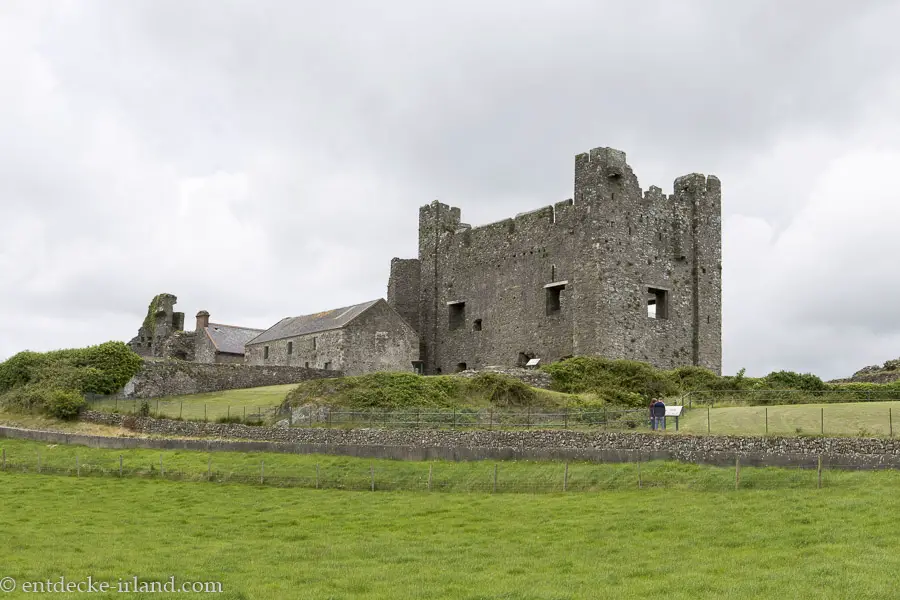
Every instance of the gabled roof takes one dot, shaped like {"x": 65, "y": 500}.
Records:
{"x": 230, "y": 339}
{"x": 337, "y": 318}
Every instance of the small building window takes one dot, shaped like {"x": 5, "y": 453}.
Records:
{"x": 314, "y": 343}
{"x": 553, "y": 302}
{"x": 290, "y": 348}
{"x": 476, "y": 326}
{"x": 328, "y": 366}
{"x": 265, "y": 353}
{"x": 306, "y": 364}
{"x": 457, "y": 315}
{"x": 657, "y": 303}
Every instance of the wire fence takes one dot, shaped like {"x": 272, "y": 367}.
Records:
{"x": 474, "y": 477}
{"x": 186, "y": 411}
{"x": 486, "y": 418}
{"x": 764, "y": 397}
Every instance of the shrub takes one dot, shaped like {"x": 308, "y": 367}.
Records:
{"x": 20, "y": 369}
{"x": 64, "y": 404}
{"x": 588, "y": 373}
{"x": 502, "y": 390}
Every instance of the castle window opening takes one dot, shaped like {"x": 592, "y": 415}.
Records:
{"x": 265, "y": 352}
{"x": 328, "y": 365}
{"x": 476, "y": 326}
{"x": 290, "y": 348}
{"x": 552, "y": 292}
{"x": 460, "y": 367}
{"x": 457, "y": 318}
{"x": 657, "y": 303}
{"x": 314, "y": 343}
{"x": 306, "y": 364}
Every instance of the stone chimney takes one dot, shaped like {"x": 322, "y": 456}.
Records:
{"x": 202, "y": 319}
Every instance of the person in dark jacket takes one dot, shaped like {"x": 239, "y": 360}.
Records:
{"x": 659, "y": 412}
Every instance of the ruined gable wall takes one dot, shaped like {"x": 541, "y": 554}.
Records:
{"x": 379, "y": 340}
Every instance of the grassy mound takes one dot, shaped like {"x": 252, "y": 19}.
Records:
{"x": 55, "y": 382}
{"x": 408, "y": 390}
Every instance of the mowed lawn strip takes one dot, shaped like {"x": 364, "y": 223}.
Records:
{"x": 852, "y": 418}
{"x": 293, "y": 543}
{"x": 212, "y": 405}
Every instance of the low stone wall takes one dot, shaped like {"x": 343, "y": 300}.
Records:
{"x": 532, "y": 377}
{"x": 158, "y": 378}
{"x": 427, "y": 444}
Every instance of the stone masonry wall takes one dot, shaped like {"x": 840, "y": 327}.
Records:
{"x": 431, "y": 444}
{"x": 603, "y": 251}
{"x": 158, "y": 378}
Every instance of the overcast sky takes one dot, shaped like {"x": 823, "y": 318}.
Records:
{"x": 261, "y": 159}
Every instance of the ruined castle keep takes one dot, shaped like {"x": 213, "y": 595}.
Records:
{"x": 614, "y": 271}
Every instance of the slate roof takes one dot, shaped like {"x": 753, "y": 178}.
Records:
{"x": 337, "y": 318}
{"x": 230, "y": 339}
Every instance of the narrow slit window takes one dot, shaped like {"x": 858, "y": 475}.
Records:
{"x": 265, "y": 352}
{"x": 290, "y": 348}
{"x": 657, "y": 303}
{"x": 476, "y": 326}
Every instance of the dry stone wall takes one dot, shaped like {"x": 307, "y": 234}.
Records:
{"x": 158, "y": 378}
{"x": 430, "y": 444}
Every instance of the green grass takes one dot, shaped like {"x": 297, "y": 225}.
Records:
{"x": 855, "y": 418}
{"x": 288, "y": 543}
{"x": 213, "y": 405}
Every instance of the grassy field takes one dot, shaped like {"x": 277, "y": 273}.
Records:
{"x": 855, "y": 418}
{"x": 212, "y": 406}
{"x": 357, "y": 474}
{"x": 287, "y": 543}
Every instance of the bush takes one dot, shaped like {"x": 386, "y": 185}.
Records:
{"x": 64, "y": 404}
{"x": 502, "y": 390}
{"x": 589, "y": 373}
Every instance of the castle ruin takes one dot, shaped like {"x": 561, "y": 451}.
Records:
{"x": 614, "y": 271}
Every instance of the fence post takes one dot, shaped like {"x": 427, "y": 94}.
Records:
{"x": 39, "y": 461}
{"x": 640, "y": 479}
{"x": 890, "y": 423}
{"x": 181, "y": 409}
{"x": 204, "y": 412}
{"x": 767, "y": 420}
{"x": 157, "y": 407}
{"x": 430, "y": 469}
{"x": 823, "y": 420}
{"x": 317, "y": 475}
{"x": 77, "y": 466}
{"x": 737, "y": 472}
{"x": 707, "y": 420}
{"x": 567, "y": 417}
{"x": 454, "y": 418}
{"x": 120, "y": 465}
{"x": 819, "y": 485}
{"x": 418, "y": 416}
{"x": 491, "y": 418}
{"x": 372, "y": 475}
{"x": 495, "y": 477}
{"x": 566, "y": 478}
